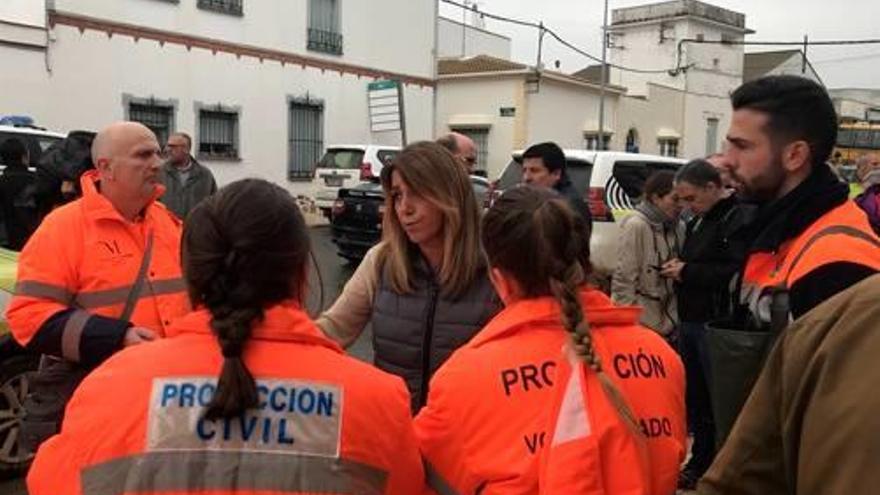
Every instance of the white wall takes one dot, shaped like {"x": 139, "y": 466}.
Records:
{"x": 476, "y": 41}
{"x": 29, "y": 12}
{"x": 282, "y": 24}
{"x": 662, "y": 109}
{"x": 714, "y": 68}
{"x": 81, "y": 81}
{"x": 479, "y": 99}
{"x": 699, "y": 110}
{"x": 560, "y": 112}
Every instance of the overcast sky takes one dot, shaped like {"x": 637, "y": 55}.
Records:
{"x": 580, "y": 22}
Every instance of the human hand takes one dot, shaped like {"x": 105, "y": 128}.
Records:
{"x": 137, "y": 335}
{"x": 672, "y": 269}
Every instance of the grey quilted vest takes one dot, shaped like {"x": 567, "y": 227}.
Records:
{"x": 413, "y": 334}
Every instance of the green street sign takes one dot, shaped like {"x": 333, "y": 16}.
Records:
{"x": 379, "y": 85}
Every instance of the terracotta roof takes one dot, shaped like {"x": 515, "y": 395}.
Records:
{"x": 758, "y": 64}
{"x": 593, "y": 74}
{"x": 472, "y": 65}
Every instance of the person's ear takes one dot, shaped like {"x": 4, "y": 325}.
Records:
{"x": 105, "y": 168}
{"x": 506, "y": 287}
{"x": 796, "y": 156}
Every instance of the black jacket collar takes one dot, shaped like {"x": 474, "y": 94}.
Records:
{"x": 785, "y": 218}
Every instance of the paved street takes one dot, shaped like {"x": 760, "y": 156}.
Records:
{"x": 334, "y": 273}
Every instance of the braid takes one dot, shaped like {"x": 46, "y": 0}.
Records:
{"x": 236, "y": 389}
{"x": 565, "y": 290}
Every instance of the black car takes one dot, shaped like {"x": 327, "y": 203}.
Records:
{"x": 356, "y": 218}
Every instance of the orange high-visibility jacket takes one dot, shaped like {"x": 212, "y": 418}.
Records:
{"x": 325, "y": 423}
{"x": 78, "y": 268}
{"x": 843, "y": 234}
{"x": 490, "y": 409}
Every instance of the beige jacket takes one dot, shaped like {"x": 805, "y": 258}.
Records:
{"x": 346, "y": 318}
{"x": 811, "y": 424}
{"x": 644, "y": 245}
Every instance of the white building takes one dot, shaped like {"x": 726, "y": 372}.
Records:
{"x": 462, "y": 39}
{"x": 505, "y": 105}
{"x": 263, "y": 86}
{"x": 778, "y": 63}
{"x": 856, "y": 104}
{"x": 681, "y": 44}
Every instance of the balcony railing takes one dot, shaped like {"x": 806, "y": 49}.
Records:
{"x": 325, "y": 41}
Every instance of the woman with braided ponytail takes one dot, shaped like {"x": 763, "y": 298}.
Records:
{"x": 289, "y": 412}
{"x": 562, "y": 392}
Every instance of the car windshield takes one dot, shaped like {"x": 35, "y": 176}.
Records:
{"x": 340, "y": 158}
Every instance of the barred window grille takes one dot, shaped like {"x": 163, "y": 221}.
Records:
{"x": 225, "y": 6}
{"x": 323, "y": 32}
{"x": 218, "y": 134}
{"x": 480, "y": 138}
{"x": 305, "y": 139}
{"x": 157, "y": 117}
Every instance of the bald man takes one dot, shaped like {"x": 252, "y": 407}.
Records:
{"x": 100, "y": 273}
{"x": 462, "y": 147}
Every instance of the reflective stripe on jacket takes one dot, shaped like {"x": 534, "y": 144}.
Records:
{"x": 326, "y": 423}
{"x": 843, "y": 234}
{"x": 86, "y": 256}
{"x": 489, "y": 410}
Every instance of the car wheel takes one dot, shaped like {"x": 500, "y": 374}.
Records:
{"x": 15, "y": 378}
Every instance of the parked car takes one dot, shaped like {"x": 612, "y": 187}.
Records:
{"x": 16, "y": 368}
{"x": 344, "y": 166}
{"x": 356, "y": 220}
{"x": 611, "y": 184}
{"x": 36, "y": 139}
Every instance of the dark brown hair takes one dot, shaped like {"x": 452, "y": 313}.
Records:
{"x": 244, "y": 249}
{"x": 532, "y": 235}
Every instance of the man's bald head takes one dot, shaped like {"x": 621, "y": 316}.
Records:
{"x": 114, "y": 138}
{"x": 462, "y": 147}
{"x": 126, "y": 156}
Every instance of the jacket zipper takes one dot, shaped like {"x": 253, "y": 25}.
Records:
{"x": 426, "y": 343}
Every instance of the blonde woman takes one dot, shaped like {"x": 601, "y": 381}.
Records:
{"x": 424, "y": 288}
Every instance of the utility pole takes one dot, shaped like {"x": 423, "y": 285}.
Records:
{"x": 604, "y": 77}
{"x": 804, "y": 58}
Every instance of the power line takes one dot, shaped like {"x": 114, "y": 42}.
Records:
{"x": 545, "y": 29}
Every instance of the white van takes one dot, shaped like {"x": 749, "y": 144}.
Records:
{"x": 611, "y": 184}
{"x": 345, "y": 165}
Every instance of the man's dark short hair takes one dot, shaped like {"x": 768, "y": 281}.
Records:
{"x": 551, "y": 154}
{"x": 449, "y": 142}
{"x": 12, "y": 152}
{"x": 698, "y": 172}
{"x": 797, "y": 109}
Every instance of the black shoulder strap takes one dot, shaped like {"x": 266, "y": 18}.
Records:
{"x": 135, "y": 293}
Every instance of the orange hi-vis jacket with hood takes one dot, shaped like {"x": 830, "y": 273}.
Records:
{"x": 325, "y": 423}
{"x": 490, "y": 411}
{"x": 78, "y": 269}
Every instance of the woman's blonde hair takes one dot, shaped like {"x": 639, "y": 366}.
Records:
{"x": 431, "y": 172}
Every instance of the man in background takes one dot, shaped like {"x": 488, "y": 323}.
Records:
{"x": 186, "y": 181}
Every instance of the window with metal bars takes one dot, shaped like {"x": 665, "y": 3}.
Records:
{"x": 480, "y": 137}
{"x": 218, "y": 134}
{"x": 305, "y": 139}
{"x": 323, "y": 32}
{"x": 225, "y": 6}
{"x": 159, "y": 118}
